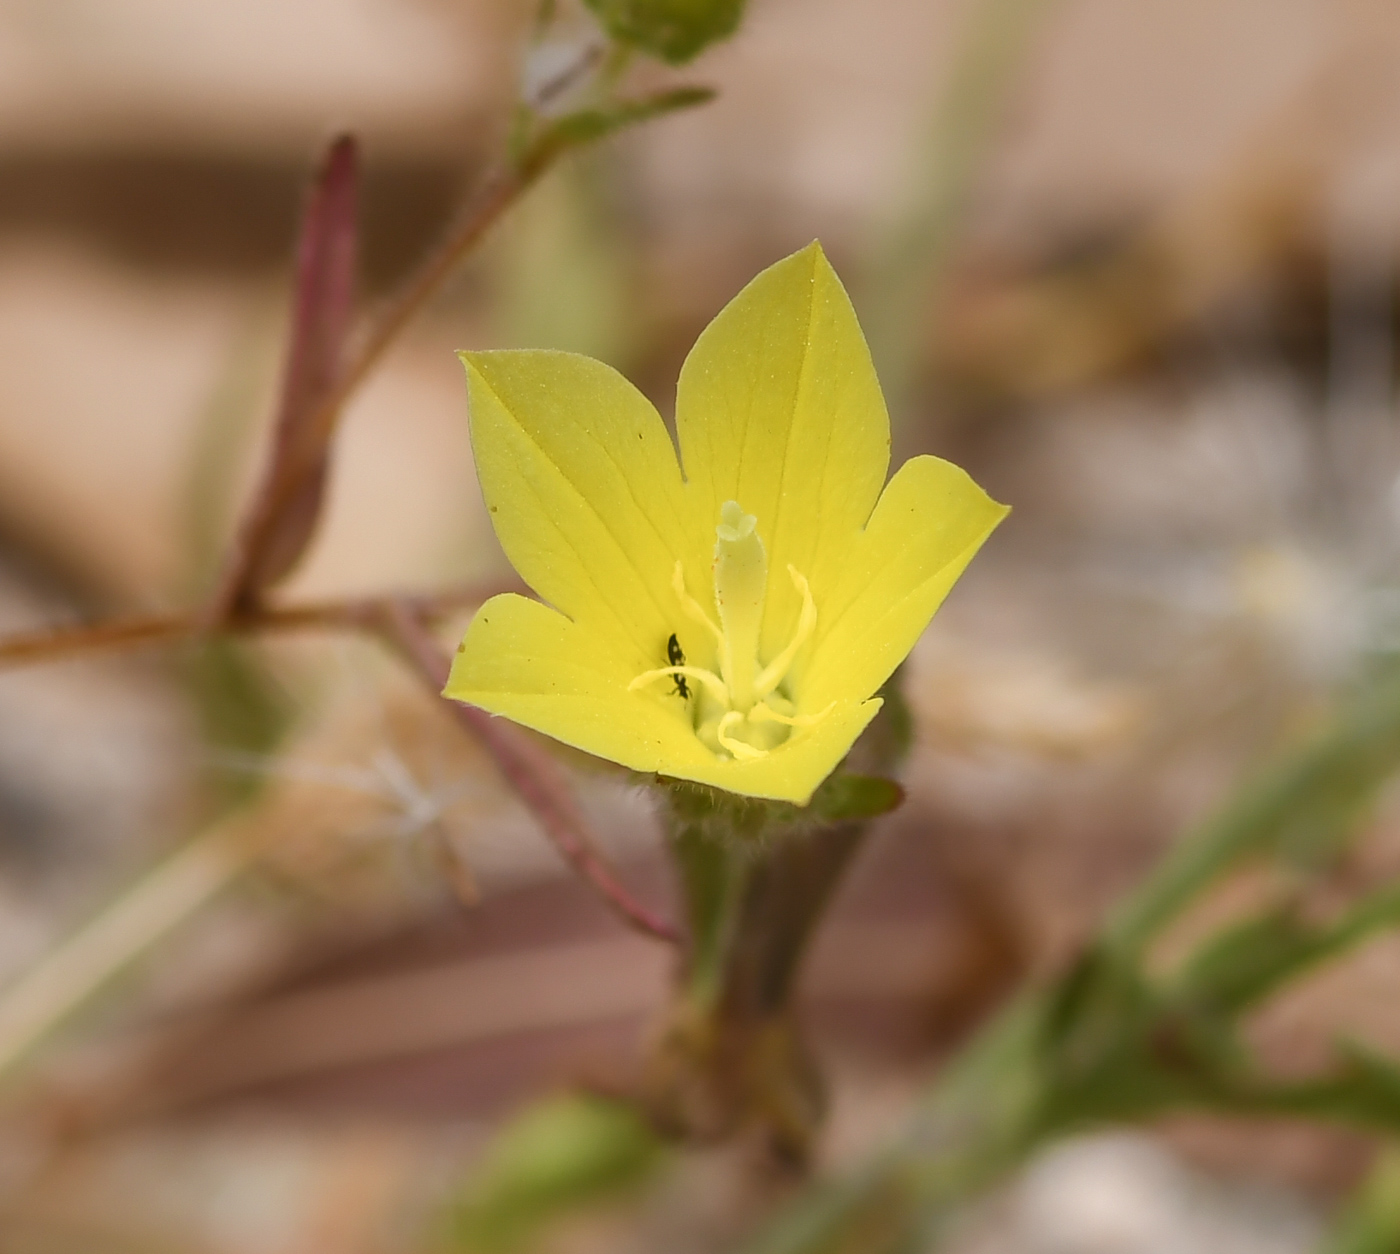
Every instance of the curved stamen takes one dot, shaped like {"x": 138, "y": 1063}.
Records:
{"x": 739, "y": 685}
{"x": 698, "y": 673}
{"x": 743, "y": 752}
{"x": 766, "y": 714}
{"x": 693, "y": 609}
{"x": 772, "y": 674}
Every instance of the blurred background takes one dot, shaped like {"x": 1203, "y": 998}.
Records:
{"x": 1134, "y": 266}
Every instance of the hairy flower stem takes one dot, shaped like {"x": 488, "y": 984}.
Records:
{"x": 756, "y": 878}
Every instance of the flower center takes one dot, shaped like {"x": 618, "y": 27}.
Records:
{"x": 740, "y": 712}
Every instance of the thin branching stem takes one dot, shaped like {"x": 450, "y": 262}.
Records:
{"x": 177, "y": 888}
{"x": 499, "y": 191}
{"x": 56, "y": 644}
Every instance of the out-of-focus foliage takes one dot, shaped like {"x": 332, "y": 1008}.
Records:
{"x": 1123, "y": 259}
{"x": 1117, "y": 1039}
{"x": 674, "y": 30}
{"x": 564, "y": 1154}
{"x": 563, "y": 275}
{"x": 1371, "y": 1225}
{"x": 240, "y": 707}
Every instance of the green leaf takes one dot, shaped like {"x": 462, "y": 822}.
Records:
{"x": 1249, "y": 960}
{"x": 562, "y": 1154}
{"x": 586, "y": 126}
{"x": 1302, "y": 812}
{"x": 674, "y": 30}
{"x": 1245, "y": 961}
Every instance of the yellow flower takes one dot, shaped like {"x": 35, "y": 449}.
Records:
{"x": 729, "y": 624}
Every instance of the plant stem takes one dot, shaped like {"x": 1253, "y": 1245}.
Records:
{"x": 713, "y": 878}
{"x": 499, "y": 191}
{"x": 531, "y": 771}
{"x": 982, "y": 1120}
{"x": 756, "y": 878}
{"x": 61, "y": 981}
{"x": 54, "y": 644}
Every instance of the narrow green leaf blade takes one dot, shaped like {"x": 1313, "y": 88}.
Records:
{"x": 585, "y": 126}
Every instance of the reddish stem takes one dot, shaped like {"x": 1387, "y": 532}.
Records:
{"x": 52, "y": 644}
{"x": 531, "y": 771}
{"x": 315, "y": 428}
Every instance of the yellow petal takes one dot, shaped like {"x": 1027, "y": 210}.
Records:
{"x": 930, "y": 521}
{"x": 584, "y": 490}
{"x": 778, "y": 408}
{"x": 524, "y": 660}
{"x": 529, "y": 663}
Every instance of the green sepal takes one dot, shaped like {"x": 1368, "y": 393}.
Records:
{"x": 728, "y": 817}
{"x": 854, "y": 798}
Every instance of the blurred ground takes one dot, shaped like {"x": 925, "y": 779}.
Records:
{"x": 1163, "y": 329}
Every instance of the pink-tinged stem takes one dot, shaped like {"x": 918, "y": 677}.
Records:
{"x": 531, "y": 771}
{"x": 281, "y": 517}
{"x": 56, "y": 644}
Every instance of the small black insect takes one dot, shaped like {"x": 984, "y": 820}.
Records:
{"x": 676, "y": 656}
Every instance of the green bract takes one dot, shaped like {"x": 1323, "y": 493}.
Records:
{"x": 674, "y": 30}
{"x": 729, "y": 625}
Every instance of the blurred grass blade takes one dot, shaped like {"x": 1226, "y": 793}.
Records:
{"x": 912, "y": 262}
{"x": 1249, "y": 960}
{"x": 1371, "y": 1223}
{"x": 64, "y": 979}
{"x": 1302, "y": 810}
{"x": 283, "y": 514}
